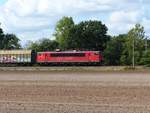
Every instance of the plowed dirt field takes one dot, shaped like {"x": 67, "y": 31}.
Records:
{"x": 74, "y": 92}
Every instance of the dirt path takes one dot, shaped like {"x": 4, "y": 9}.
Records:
{"x": 77, "y": 92}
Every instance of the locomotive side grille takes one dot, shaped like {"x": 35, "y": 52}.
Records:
{"x": 68, "y": 55}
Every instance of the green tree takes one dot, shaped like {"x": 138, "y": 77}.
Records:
{"x": 146, "y": 58}
{"x": 134, "y": 46}
{"x": 113, "y": 52}
{"x": 88, "y": 35}
{"x": 48, "y": 45}
{"x": 148, "y": 42}
{"x": 32, "y": 45}
{"x": 62, "y": 31}
{"x": 1, "y": 38}
{"x": 43, "y": 45}
{"x": 11, "y": 42}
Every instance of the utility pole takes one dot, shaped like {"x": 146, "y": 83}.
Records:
{"x": 146, "y": 45}
{"x": 133, "y": 57}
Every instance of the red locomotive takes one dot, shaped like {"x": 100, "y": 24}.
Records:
{"x": 69, "y": 57}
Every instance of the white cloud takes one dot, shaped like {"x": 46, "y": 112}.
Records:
{"x": 29, "y": 18}
{"x": 126, "y": 17}
{"x": 122, "y": 21}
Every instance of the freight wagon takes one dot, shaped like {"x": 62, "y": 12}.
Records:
{"x": 17, "y": 56}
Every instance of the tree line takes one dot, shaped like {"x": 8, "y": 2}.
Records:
{"x": 123, "y": 49}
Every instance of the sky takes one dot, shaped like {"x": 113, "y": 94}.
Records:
{"x": 2, "y": 1}
{"x": 35, "y": 19}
